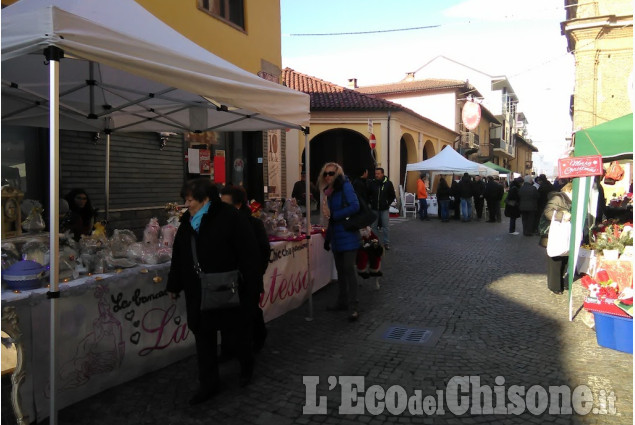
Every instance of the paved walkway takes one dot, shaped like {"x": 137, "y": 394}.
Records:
{"x": 479, "y": 291}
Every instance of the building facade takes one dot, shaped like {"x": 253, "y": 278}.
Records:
{"x": 600, "y": 36}
{"x": 342, "y": 121}
{"x": 442, "y": 100}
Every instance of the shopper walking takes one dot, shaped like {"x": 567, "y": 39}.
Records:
{"x": 224, "y": 241}
{"x": 512, "y": 205}
{"x": 443, "y": 197}
{"x": 465, "y": 193}
{"x": 478, "y": 193}
{"x": 528, "y": 205}
{"x": 560, "y": 203}
{"x": 382, "y": 194}
{"x": 341, "y": 202}
{"x": 422, "y": 197}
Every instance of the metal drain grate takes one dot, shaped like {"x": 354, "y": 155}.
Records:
{"x": 405, "y": 334}
{"x": 413, "y": 335}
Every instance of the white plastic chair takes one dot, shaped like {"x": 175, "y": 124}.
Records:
{"x": 410, "y": 204}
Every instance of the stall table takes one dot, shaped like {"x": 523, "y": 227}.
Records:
{"x": 117, "y": 326}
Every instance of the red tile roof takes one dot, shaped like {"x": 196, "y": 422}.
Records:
{"x": 327, "y": 96}
{"x": 416, "y": 86}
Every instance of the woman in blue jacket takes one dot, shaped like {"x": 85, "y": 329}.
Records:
{"x": 341, "y": 202}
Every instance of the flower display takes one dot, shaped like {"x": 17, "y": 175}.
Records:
{"x": 611, "y": 235}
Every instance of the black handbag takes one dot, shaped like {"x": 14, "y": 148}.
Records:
{"x": 218, "y": 290}
{"x": 362, "y": 218}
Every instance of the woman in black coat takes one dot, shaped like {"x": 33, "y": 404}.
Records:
{"x": 224, "y": 241}
{"x": 512, "y": 204}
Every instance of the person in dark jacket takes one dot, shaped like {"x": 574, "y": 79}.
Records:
{"x": 299, "y": 193}
{"x": 512, "y": 204}
{"x": 456, "y": 203}
{"x": 494, "y": 192}
{"x": 443, "y": 197}
{"x": 341, "y": 203}
{"x": 528, "y": 205}
{"x": 478, "y": 193}
{"x": 544, "y": 188}
{"x": 224, "y": 242}
{"x": 560, "y": 204}
{"x": 81, "y": 218}
{"x": 237, "y": 196}
{"x": 360, "y": 184}
{"x": 465, "y": 193}
{"x": 382, "y": 194}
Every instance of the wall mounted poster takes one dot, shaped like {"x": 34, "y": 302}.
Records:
{"x": 274, "y": 164}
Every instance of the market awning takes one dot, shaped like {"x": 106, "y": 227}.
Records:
{"x": 612, "y": 139}
{"x": 125, "y": 70}
{"x": 497, "y": 167}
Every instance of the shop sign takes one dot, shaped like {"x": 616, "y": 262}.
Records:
{"x": 471, "y": 115}
{"x": 581, "y": 166}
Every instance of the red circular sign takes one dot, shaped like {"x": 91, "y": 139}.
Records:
{"x": 471, "y": 115}
{"x": 372, "y": 141}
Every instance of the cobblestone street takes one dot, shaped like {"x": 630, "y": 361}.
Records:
{"x": 480, "y": 292}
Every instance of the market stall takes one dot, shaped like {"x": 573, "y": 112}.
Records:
{"x": 448, "y": 161}
{"x": 122, "y": 324}
{"x": 612, "y": 140}
{"x": 110, "y": 67}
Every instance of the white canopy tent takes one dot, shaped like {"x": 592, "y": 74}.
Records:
{"x": 449, "y": 161}
{"x": 112, "y": 66}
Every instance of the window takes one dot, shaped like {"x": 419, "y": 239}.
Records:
{"x": 230, "y": 11}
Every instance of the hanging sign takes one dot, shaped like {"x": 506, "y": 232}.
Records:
{"x": 471, "y": 115}
{"x": 581, "y": 166}
{"x": 205, "y": 162}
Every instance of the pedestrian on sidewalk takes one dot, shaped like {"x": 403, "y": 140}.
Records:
{"x": 560, "y": 203}
{"x": 443, "y": 197}
{"x": 422, "y": 197}
{"x": 224, "y": 241}
{"x": 456, "y": 201}
{"x": 465, "y": 193}
{"x": 341, "y": 202}
{"x": 382, "y": 194}
{"x": 512, "y": 205}
{"x": 478, "y": 192}
{"x": 528, "y": 205}
{"x": 237, "y": 196}
{"x": 493, "y": 194}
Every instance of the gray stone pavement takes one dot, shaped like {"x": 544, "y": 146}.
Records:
{"x": 482, "y": 289}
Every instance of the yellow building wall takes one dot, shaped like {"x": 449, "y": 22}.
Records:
{"x": 260, "y": 40}
{"x": 245, "y": 49}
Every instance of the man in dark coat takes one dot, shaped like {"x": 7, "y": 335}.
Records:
{"x": 224, "y": 242}
{"x": 528, "y": 204}
{"x": 236, "y": 196}
{"x": 382, "y": 194}
{"x": 299, "y": 192}
{"x": 456, "y": 203}
{"x": 478, "y": 192}
{"x": 544, "y": 188}
{"x": 360, "y": 184}
{"x": 493, "y": 194}
{"x": 465, "y": 193}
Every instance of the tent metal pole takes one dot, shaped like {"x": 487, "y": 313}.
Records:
{"x": 107, "y": 177}
{"x": 307, "y": 197}
{"x": 53, "y": 55}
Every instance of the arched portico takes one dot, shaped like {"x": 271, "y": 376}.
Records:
{"x": 347, "y": 147}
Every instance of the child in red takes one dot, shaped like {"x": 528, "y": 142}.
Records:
{"x": 369, "y": 255}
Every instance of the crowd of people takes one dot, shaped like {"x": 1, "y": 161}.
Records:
{"x": 219, "y": 226}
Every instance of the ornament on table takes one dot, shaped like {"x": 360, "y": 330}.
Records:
{"x": 32, "y": 210}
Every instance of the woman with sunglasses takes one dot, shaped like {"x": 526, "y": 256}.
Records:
{"x": 340, "y": 202}
{"x": 81, "y": 217}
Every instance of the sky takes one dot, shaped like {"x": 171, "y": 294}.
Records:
{"x": 515, "y": 38}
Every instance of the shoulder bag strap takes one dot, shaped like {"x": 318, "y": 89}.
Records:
{"x": 197, "y": 266}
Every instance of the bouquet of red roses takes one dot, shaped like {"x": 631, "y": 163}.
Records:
{"x": 602, "y": 289}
